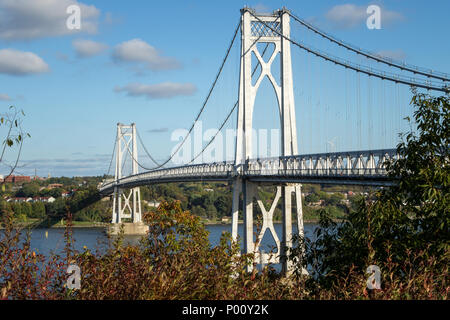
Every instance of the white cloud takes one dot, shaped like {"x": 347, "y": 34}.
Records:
{"x": 388, "y": 17}
{"x": 88, "y": 48}
{"x": 18, "y": 63}
{"x": 348, "y": 15}
{"x": 139, "y": 51}
{"x": 31, "y": 19}
{"x": 4, "y": 97}
{"x": 158, "y": 91}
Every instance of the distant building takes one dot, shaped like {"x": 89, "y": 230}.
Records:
{"x": 54, "y": 185}
{"x": 15, "y": 179}
{"x": 226, "y": 219}
{"x": 35, "y": 199}
{"x": 49, "y": 199}
{"x": 44, "y": 199}
{"x": 343, "y": 193}
{"x": 21, "y": 179}
{"x": 319, "y": 203}
{"x": 153, "y": 203}
{"x": 19, "y": 199}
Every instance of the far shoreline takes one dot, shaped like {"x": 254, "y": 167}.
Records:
{"x": 82, "y": 224}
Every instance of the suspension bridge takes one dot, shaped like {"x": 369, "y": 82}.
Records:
{"x": 288, "y": 170}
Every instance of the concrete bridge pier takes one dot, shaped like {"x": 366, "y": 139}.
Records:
{"x": 129, "y": 228}
{"x": 252, "y": 242}
{"x": 129, "y": 208}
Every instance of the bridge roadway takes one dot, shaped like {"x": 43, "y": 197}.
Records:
{"x": 355, "y": 168}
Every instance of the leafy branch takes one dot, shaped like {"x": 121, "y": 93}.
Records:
{"x": 12, "y": 121}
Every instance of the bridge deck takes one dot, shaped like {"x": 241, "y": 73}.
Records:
{"x": 355, "y": 168}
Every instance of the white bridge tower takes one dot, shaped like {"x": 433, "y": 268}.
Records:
{"x": 126, "y": 205}
{"x": 266, "y": 29}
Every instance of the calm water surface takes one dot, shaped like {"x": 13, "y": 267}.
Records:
{"x": 46, "y": 241}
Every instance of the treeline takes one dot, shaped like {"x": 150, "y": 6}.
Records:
{"x": 84, "y": 205}
{"x": 214, "y": 200}
{"x": 206, "y": 200}
{"x": 210, "y": 201}
{"x": 34, "y": 190}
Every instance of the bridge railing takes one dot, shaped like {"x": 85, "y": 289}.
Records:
{"x": 369, "y": 163}
{"x": 340, "y": 164}
{"x": 219, "y": 169}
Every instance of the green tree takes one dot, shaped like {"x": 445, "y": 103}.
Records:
{"x": 26, "y": 209}
{"x": 223, "y": 205}
{"x": 335, "y": 199}
{"x": 4, "y": 207}
{"x": 199, "y": 211}
{"x": 17, "y": 208}
{"x": 55, "y": 192}
{"x": 38, "y": 210}
{"x": 211, "y": 211}
{"x": 312, "y": 197}
{"x": 56, "y": 208}
{"x": 28, "y": 190}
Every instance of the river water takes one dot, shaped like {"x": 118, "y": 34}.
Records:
{"x": 50, "y": 240}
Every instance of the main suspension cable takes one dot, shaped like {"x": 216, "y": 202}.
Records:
{"x": 145, "y": 149}
{"x": 390, "y": 62}
{"x": 235, "y": 104}
{"x": 369, "y": 71}
{"x": 112, "y": 155}
{"x": 220, "y": 128}
{"x": 204, "y": 103}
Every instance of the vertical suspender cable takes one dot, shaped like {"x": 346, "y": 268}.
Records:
{"x": 358, "y": 109}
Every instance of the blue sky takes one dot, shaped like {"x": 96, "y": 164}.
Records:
{"x": 152, "y": 62}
